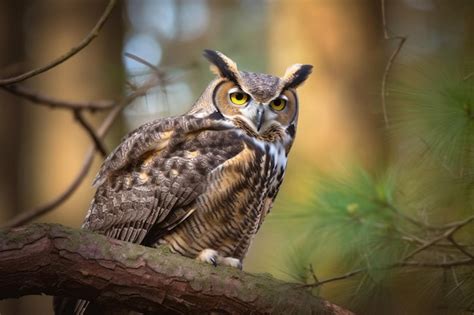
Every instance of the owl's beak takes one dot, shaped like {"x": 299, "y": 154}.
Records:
{"x": 259, "y": 117}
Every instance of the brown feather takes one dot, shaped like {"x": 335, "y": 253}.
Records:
{"x": 202, "y": 181}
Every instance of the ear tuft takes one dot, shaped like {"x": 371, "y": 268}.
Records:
{"x": 295, "y": 75}
{"x": 222, "y": 65}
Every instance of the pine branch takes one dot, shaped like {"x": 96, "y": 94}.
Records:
{"x": 407, "y": 262}
{"x": 446, "y": 235}
{"x": 55, "y": 260}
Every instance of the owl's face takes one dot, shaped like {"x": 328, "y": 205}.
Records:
{"x": 244, "y": 103}
{"x": 262, "y": 105}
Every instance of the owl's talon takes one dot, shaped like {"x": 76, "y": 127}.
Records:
{"x": 212, "y": 257}
{"x": 209, "y": 256}
{"x": 232, "y": 262}
{"x": 213, "y": 261}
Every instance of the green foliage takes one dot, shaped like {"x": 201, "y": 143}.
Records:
{"x": 439, "y": 113}
{"x": 356, "y": 213}
{"x": 433, "y": 136}
{"x": 367, "y": 229}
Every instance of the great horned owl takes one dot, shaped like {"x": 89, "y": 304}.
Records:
{"x": 201, "y": 183}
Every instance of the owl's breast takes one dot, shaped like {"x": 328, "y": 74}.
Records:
{"x": 238, "y": 195}
{"x": 276, "y": 153}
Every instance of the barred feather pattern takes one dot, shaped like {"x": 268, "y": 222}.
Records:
{"x": 189, "y": 182}
{"x": 201, "y": 183}
{"x": 194, "y": 184}
{"x": 232, "y": 207}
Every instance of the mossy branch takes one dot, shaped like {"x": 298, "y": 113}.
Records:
{"x": 56, "y": 260}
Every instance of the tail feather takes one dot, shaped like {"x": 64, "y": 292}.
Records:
{"x": 64, "y": 305}
{"x": 72, "y": 306}
{"x": 80, "y": 307}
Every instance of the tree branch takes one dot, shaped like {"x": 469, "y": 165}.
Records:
{"x": 445, "y": 232}
{"x": 99, "y": 145}
{"x": 468, "y": 76}
{"x": 406, "y": 261}
{"x": 84, "y": 43}
{"x": 407, "y": 264}
{"x": 31, "y": 214}
{"x": 390, "y": 61}
{"x": 55, "y": 260}
{"x": 445, "y": 235}
{"x": 460, "y": 247}
{"x": 41, "y": 99}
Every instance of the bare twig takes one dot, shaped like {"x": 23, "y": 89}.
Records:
{"x": 32, "y": 214}
{"x": 460, "y": 223}
{"x": 143, "y": 61}
{"x": 421, "y": 224}
{"x": 341, "y": 277}
{"x": 400, "y": 264}
{"x": 467, "y": 77}
{"x": 448, "y": 233}
{"x": 41, "y": 99}
{"x": 313, "y": 274}
{"x": 29, "y": 215}
{"x": 159, "y": 74}
{"x": 406, "y": 262}
{"x": 390, "y": 61}
{"x": 84, "y": 43}
{"x": 130, "y": 85}
{"x": 91, "y": 132}
{"x": 442, "y": 245}
{"x": 461, "y": 248}
{"x": 423, "y": 264}
{"x": 402, "y": 215}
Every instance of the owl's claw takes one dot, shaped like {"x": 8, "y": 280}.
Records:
{"x": 213, "y": 261}
{"x": 211, "y": 256}
{"x": 231, "y": 261}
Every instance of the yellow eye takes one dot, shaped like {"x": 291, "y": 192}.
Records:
{"x": 278, "y": 104}
{"x": 239, "y": 98}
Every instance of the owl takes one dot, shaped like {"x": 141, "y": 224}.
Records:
{"x": 201, "y": 183}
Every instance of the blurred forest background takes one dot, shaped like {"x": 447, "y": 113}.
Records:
{"x": 361, "y": 195}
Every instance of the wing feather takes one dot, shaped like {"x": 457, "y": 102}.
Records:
{"x": 154, "y": 136}
{"x": 146, "y": 185}
{"x": 151, "y": 177}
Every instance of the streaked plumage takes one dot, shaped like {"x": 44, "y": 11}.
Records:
{"x": 202, "y": 183}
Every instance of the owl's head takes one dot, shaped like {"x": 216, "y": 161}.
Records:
{"x": 260, "y": 104}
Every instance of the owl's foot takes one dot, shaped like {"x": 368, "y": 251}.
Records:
{"x": 231, "y": 261}
{"x": 211, "y": 256}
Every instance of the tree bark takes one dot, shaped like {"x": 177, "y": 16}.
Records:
{"x": 56, "y": 260}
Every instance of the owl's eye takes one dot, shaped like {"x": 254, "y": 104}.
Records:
{"x": 239, "y": 98}
{"x": 278, "y": 104}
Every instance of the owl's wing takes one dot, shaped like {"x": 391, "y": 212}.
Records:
{"x": 156, "y": 172}
{"x": 154, "y": 135}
